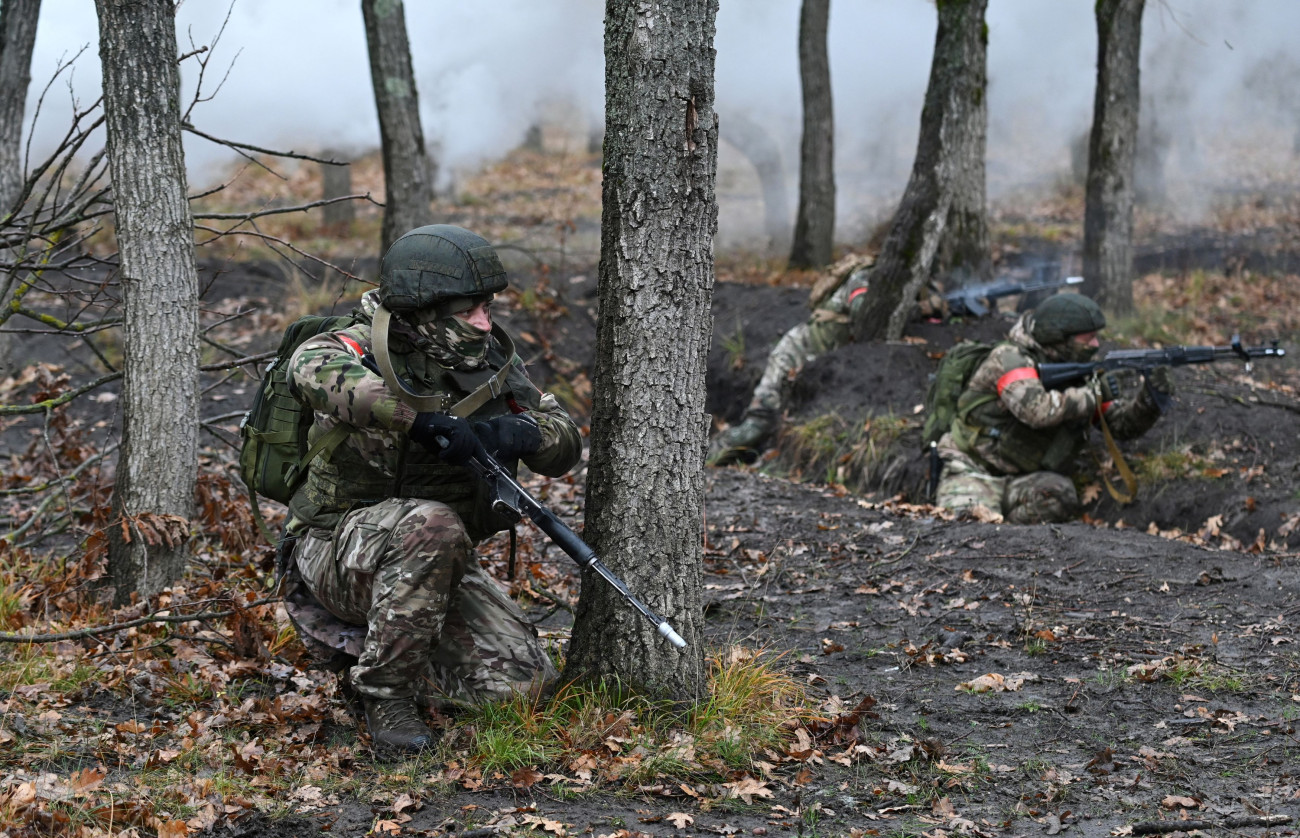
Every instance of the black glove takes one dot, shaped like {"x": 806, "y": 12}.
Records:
{"x": 1110, "y": 387}
{"x": 1160, "y": 380}
{"x": 449, "y": 435}
{"x": 510, "y": 436}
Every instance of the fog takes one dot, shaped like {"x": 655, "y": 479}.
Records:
{"x": 1217, "y": 79}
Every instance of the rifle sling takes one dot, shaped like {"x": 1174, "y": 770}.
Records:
{"x": 486, "y": 391}
{"x": 1130, "y": 479}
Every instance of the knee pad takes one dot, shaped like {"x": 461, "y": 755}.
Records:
{"x": 1044, "y": 497}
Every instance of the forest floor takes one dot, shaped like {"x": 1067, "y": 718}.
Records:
{"x": 1136, "y": 672}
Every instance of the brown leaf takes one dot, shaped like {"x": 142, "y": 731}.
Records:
{"x": 681, "y": 820}
{"x": 747, "y": 789}
{"x": 87, "y": 778}
{"x": 526, "y": 778}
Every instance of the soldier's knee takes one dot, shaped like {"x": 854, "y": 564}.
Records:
{"x": 1041, "y": 498}
{"x": 431, "y": 533}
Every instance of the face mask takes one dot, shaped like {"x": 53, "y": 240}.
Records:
{"x": 455, "y": 343}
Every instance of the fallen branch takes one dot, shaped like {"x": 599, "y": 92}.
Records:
{"x": 139, "y": 621}
{"x": 1162, "y": 827}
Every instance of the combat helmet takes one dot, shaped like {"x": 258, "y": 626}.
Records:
{"x": 1062, "y": 315}
{"x": 439, "y": 268}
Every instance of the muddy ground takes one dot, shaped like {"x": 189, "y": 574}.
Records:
{"x": 1085, "y": 677}
{"x": 1088, "y": 678}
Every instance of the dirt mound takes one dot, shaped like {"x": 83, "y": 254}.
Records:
{"x": 1225, "y": 459}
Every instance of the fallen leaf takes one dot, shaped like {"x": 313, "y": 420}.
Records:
{"x": 546, "y": 824}
{"x": 87, "y": 778}
{"x": 526, "y": 778}
{"x": 747, "y": 789}
{"x": 1175, "y": 802}
{"x": 681, "y": 820}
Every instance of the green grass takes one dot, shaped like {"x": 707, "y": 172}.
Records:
{"x": 831, "y": 449}
{"x": 750, "y": 706}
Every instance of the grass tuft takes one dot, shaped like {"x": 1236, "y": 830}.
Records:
{"x": 833, "y": 450}
{"x": 751, "y": 706}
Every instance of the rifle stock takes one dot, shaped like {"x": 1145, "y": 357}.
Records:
{"x": 513, "y": 501}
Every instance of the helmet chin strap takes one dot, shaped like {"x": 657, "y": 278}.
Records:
{"x": 436, "y": 404}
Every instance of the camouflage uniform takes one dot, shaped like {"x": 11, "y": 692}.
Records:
{"x": 826, "y": 329}
{"x": 385, "y": 566}
{"x": 1013, "y": 443}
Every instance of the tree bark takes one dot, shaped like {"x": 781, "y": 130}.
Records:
{"x": 1108, "y": 211}
{"x": 159, "y": 456}
{"x": 941, "y": 227}
{"x": 408, "y": 170}
{"x": 336, "y": 181}
{"x": 645, "y": 485}
{"x": 17, "y": 38}
{"x": 755, "y": 142}
{"x": 814, "y": 227}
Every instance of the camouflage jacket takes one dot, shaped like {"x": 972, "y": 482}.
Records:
{"x": 377, "y": 460}
{"x": 1008, "y": 423}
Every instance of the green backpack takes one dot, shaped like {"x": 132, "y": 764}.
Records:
{"x": 274, "y": 456}
{"x": 946, "y": 386}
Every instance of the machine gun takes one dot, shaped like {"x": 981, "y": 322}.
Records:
{"x": 977, "y": 300}
{"x": 1058, "y": 375}
{"x": 510, "y": 500}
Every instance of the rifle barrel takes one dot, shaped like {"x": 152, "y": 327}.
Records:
{"x": 567, "y": 540}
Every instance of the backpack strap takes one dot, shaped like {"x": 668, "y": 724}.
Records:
{"x": 442, "y": 403}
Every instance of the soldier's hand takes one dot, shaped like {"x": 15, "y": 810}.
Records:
{"x": 1109, "y": 387}
{"x": 510, "y": 436}
{"x": 449, "y": 435}
{"x": 1161, "y": 381}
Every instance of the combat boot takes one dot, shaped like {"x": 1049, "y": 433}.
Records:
{"x": 395, "y": 725}
{"x": 741, "y": 443}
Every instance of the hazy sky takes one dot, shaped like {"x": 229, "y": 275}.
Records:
{"x": 300, "y": 76}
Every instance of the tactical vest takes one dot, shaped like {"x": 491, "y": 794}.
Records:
{"x": 348, "y": 480}
{"x": 984, "y": 423}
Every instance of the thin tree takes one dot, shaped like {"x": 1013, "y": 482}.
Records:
{"x": 408, "y": 170}
{"x": 752, "y": 139}
{"x": 814, "y": 227}
{"x": 1112, "y": 152}
{"x": 645, "y": 485}
{"x": 940, "y": 230}
{"x": 17, "y": 39}
{"x": 153, "y": 493}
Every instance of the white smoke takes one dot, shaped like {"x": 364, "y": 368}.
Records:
{"x": 1217, "y": 76}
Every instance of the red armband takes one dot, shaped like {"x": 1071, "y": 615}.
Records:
{"x": 1017, "y": 374}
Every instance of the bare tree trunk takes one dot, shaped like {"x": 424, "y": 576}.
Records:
{"x": 1108, "y": 213}
{"x": 941, "y": 227}
{"x": 336, "y": 181}
{"x": 408, "y": 170}
{"x": 17, "y": 38}
{"x": 814, "y": 226}
{"x": 755, "y": 142}
{"x": 645, "y": 485}
{"x": 159, "y": 458}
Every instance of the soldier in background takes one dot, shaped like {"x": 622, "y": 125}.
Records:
{"x": 383, "y": 581}
{"x": 832, "y": 300}
{"x": 1013, "y": 443}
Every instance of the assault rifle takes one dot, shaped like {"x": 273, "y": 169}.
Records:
{"x": 510, "y": 500}
{"x": 967, "y": 301}
{"x": 1055, "y": 376}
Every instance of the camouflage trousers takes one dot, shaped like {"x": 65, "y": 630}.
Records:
{"x": 825, "y": 329}
{"x": 436, "y": 626}
{"x": 1041, "y": 497}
